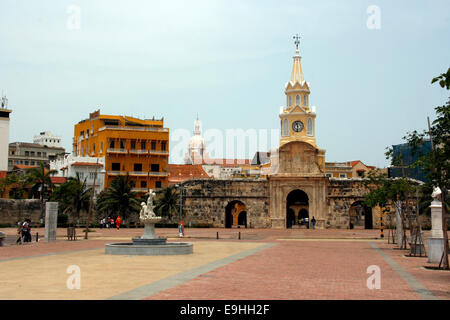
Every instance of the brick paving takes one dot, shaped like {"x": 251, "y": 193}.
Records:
{"x": 303, "y": 264}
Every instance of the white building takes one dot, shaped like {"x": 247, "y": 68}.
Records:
{"x": 86, "y": 167}
{"x": 4, "y": 135}
{"x": 46, "y": 138}
{"x": 196, "y": 153}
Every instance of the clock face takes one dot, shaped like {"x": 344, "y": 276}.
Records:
{"x": 297, "y": 126}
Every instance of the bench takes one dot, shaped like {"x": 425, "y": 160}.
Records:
{"x": 71, "y": 234}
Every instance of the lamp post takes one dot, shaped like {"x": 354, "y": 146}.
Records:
{"x": 91, "y": 202}
{"x": 181, "y": 227}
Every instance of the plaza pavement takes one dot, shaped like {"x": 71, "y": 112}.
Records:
{"x": 268, "y": 264}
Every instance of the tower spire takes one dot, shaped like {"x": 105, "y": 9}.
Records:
{"x": 297, "y": 72}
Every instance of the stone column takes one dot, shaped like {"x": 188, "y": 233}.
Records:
{"x": 51, "y": 216}
{"x": 436, "y": 239}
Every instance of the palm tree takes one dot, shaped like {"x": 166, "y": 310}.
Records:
{"x": 167, "y": 203}
{"x": 73, "y": 196}
{"x": 119, "y": 198}
{"x": 40, "y": 178}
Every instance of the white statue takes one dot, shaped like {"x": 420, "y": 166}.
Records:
{"x": 147, "y": 209}
{"x": 436, "y": 193}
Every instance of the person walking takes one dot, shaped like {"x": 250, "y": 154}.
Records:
{"x": 313, "y": 222}
{"x": 118, "y": 222}
{"x": 19, "y": 233}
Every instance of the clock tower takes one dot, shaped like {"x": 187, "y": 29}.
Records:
{"x": 297, "y": 117}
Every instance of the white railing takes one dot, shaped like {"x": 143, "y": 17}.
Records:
{"x": 116, "y": 173}
{"x": 134, "y": 128}
{"x": 158, "y": 152}
{"x": 158, "y": 174}
{"x": 111, "y": 150}
{"x": 138, "y": 173}
{"x": 138, "y": 151}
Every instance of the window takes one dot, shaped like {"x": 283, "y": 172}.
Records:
{"x": 297, "y": 100}
{"x": 115, "y": 166}
{"x": 158, "y": 184}
{"x": 122, "y": 144}
{"x": 137, "y": 167}
{"x": 10, "y": 162}
{"x": 101, "y": 146}
{"x": 26, "y": 162}
{"x": 154, "y": 168}
{"x": 27, "y": 153}
{"x": 92, "y": 175}
{"x": 342, "y": 175}
{"x": 133, "y": 145}
{"x": 290, "y": 101}
{"x": 305, "y": 100}
{"x": 143, "y": 184}
{"x": 143, "y": 145}
{"x": 32, "y": 153}
{"x": 93, "y": 148}
{"x": 39, "y": 154}
{"x": 329, "y": 175}
{"x": 163, "y": 146}
{"x": 44, "y": 154}
{"x": 111, "y": 144}
{"x": 309, "y": 127}
{"x": 32, "y": 163}
{"x": 80, "y": 174}
{"x": 87, "y": 149}
{"x": 153, "y": 145}
{"x": 285, "y": 127}
{"x": 12, "y": 153}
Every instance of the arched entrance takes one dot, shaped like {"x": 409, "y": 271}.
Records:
{"x": 360, "y": 216}
{"x": 297, "y": 208}
{"x": 235, "y": 214}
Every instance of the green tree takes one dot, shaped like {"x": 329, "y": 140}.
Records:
{"x": 40, "y": 179}
{"x": 119, "y": 199}
{"x": 17, "y": 183}
{"x": 73, "y": 196}
{"x": 395, "y": 193}
{"x": 166, "y": 203}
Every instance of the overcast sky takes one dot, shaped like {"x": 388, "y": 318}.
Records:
{"x": 228, "y": 61}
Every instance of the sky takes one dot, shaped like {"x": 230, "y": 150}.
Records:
{"x": 369, "y": 70}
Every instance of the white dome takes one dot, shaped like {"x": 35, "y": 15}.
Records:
{"x": 196, "y": 142}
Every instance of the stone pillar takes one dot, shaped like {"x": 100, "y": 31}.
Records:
{"x": 436, "y": 239}
{"x": 398, "y": 220}
{"x": 51, "y": 217}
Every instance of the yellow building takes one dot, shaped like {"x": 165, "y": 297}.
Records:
{"x": 139, "y": 148}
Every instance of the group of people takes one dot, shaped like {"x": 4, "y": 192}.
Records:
{"x": 110, "y": 223}
{"x": 23, "y": 231}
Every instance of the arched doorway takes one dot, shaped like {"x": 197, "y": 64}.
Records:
{"x": 360, "y": 216}
{"x": 297, "y": 207}
{"x": 235, "y": 214}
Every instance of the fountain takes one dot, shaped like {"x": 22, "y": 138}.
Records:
{"x": 149, "y": 244}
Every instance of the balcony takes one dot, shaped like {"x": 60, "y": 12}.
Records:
{"x": 159, "y": 152}
{"x": 117, "y": 173}
{"x": 122, "y": 151}
{"x": 138, "y": 173}
{"x": 138, "y": 151}
{"x": 158, "y": 174}
{"x": 134, "y": 129}
{"x": 139, "y": 189}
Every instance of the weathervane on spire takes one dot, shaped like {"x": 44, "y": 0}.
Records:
{"x": 297, "y": 40}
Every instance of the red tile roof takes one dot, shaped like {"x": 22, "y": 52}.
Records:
{"x": 87, "y": 164}
{"x": 182, "y": 172}
{"x": 21, "y": 166}
{"x": 2, "y": 174}
{"x": 58, "y": 180}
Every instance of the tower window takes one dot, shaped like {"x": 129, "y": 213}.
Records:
{"x": 285, "y": 127}
{"x": 297, "y": 100}
{"x": 305, "y": 100}
{"x": 289, "y": 101}
{"x": 309, "y": 127}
